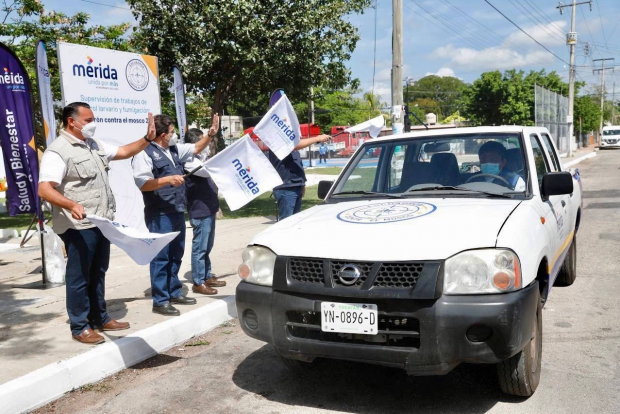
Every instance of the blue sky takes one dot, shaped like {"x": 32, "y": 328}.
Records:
{"x": 456, "y": 37}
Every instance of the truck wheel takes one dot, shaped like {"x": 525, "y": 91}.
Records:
{"x": 568, "y": 271}
{"x": 520, "y": 374}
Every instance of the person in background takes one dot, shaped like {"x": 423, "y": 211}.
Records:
{"x": 202, "y": 206}
{"x": 158, "y": 173}
{"x": 291, "y": 170}
{"x": 323, "y": 152}
{"x": 74, "y": 179}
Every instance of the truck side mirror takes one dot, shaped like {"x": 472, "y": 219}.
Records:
{"x": 556, "y": 183}
{"x": 324, "y": 187}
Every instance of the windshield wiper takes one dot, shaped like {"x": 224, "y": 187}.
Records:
{"x": 369, "y": 193}
{"x": 450, "y": 187}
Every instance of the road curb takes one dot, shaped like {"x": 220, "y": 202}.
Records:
{"x": 46, "y": 384}
{"x": 578, "y": 160}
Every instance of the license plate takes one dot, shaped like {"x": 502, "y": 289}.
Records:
{"x": 354, "y": 318}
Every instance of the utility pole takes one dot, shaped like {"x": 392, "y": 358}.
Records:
{"x": 397, "y": 67}
{"x": 613, "y": 105}
{"x": 602, "y": 70}
{"x": 571, "y": 40}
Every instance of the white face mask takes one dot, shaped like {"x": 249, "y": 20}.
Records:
{"x": 88, "y": 130}
{"x": 173, "y": 140}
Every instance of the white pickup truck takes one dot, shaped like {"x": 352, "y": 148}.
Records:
{"x": 431, "y": 249}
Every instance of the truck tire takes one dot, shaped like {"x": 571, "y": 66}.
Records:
{"x": 520, "y": 374}
{"x": 568, "y": 271}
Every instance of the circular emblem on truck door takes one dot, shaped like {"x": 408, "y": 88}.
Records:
{"x": 349, "y": 274}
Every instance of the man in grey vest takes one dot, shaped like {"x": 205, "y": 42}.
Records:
{"x": 74, "y": 179}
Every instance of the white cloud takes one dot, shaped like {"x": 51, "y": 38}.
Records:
{"x": 548, "y": 35}
{"x": 443, "y": 72}
{"x": 491, "y": 58}
{"x": 517, "y": 50}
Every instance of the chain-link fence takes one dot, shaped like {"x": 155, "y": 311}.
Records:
{"x": 551, "y": 110}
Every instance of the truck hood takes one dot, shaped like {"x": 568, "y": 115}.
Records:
{"x": 394, "y": 230}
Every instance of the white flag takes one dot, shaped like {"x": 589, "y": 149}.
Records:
{"x": 279, "y": 128}
{"x": 141, "y": 246}
{"x": 373, "y": 126}
{"x": 242, "y": 173}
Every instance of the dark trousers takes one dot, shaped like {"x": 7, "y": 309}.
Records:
{"x": 165, "y": 283}
{"x": 88, "y": 258}
{"x": 323, "y": 157}
{"x": 289, "y": 201}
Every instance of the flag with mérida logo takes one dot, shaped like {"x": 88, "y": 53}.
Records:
{"x": 242, "y": 173}
{"x": 279, "y": 128}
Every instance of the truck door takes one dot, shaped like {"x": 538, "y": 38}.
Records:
{"x": 552, "y": 209}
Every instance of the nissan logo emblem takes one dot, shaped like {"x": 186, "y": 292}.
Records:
{"x": 349, "y": 274}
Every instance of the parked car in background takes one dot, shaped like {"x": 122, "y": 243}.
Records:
{"x": 611, "y": 137}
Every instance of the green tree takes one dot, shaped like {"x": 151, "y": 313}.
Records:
{"x": 588, "y": 109}
{"x": 508, "y": 98}
{"x": 238, "y": 52}
{"x": 25, "y": 22}
{"x": 444, "y": 91}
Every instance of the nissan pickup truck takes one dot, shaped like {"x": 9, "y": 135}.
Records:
{"x": 441, "y": 251}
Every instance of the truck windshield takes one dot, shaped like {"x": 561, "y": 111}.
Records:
{"x": 481, "y": 165}
{"x": 611, "y": 132}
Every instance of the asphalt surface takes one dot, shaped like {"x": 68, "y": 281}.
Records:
{"x": 580, "y": 370}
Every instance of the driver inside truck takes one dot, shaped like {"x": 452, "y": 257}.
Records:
{"x": 493, "y": 164}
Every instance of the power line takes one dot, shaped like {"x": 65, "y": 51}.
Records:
{"x": 526, "y": 33}
{"x": 544, "y": 16}
{"x": 543, "y": 26}
{"x": 107, "y": 5}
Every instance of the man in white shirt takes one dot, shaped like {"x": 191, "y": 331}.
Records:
{"x": 158, "y": 172}
{"x": 74, "y": 179}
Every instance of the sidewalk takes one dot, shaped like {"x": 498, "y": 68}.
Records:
{"x": 34, "y": 330}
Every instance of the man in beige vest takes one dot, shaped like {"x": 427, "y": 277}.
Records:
{"x": 74, "y": 179}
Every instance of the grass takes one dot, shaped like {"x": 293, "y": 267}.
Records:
{"x": 265, "y": 205}
{"x": 325, "y": 170}
{"x": 19, "y": 222}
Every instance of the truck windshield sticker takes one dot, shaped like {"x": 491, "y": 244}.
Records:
{"x": 388, "y": 212}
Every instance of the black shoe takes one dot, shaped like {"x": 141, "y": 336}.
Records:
{"x": 166, "y": 310}
{"x": 183, "y": 300}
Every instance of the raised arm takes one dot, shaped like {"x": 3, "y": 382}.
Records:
{"x": 202, "y": 144}
{"x": 309, "y": 141}
{"x": 129, "y": 150}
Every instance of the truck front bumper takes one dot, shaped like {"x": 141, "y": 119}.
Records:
{"x": 438, "y": 334}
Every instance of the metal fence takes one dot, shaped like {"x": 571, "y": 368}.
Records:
{"x": 551, "y": 110}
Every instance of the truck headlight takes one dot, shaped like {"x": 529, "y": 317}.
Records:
{"x": 482, "y": 271}
{"x": 258, "y": 264}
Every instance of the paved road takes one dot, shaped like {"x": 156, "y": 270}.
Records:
{"x": 580, "y": 354}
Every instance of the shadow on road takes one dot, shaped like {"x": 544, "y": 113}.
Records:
{"x": 361, "y": 388}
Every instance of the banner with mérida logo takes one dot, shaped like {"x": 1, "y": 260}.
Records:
{"x": 179, "y": 100}
{"x": 242, "y": 173}
{"x": 121, "y": 89}
{"x": 279, "y": 128}
{"x": 45, "y": 94}
{"x": 17, "y": 135}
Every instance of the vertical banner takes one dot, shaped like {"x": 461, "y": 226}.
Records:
{"x": 279, "y": 128}
{"x": 179, "y": 99}
{"x": 121, "y": 89}
{"x": 45, "y": 94}
{"x": 242, "y": 173}
{"x": 17, "y": 135}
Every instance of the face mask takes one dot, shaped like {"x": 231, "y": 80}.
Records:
{"x": 88, "y": 130}
{"x": 490, "y": 168}
{"x": 173, "y": 140}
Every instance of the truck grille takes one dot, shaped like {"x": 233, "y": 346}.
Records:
{"x": 399, "y": 275}
{"x": 394, "y": 275}
{"x": 306, "y": 270}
